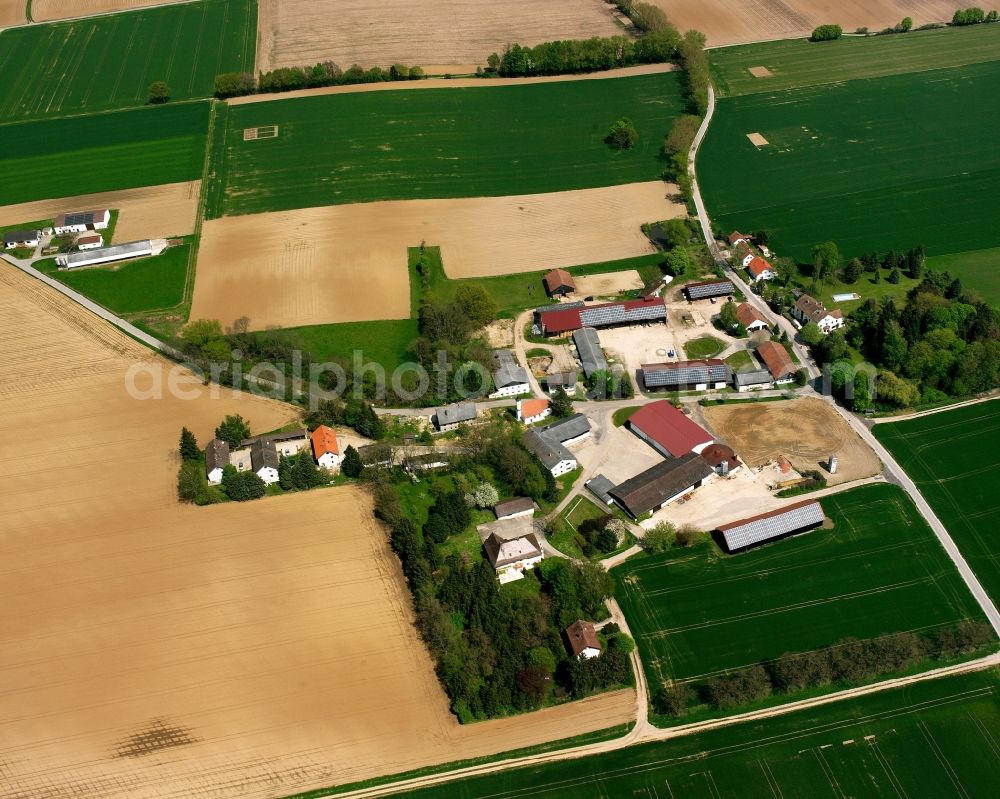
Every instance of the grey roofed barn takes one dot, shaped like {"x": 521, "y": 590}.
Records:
{"x": 685, "y": 373}
{"x": 566, "y": 429}
{"x": 18, "y": 236}
{"x": 277, "y": 438}
{"x": 653, "y": 487}
{"x": 453, "y": 414}
{"x": 564, "y": 379}
{"x": 515, "y": 505}
{"x": 600, "y": 486}
{"x": 795, "y": 518}
{"x": 507, "y": 371}
{"x": 588, "y": 347}
{"x": 548, "y": 449}
{"x": 754, "y": 377}
{"x": 709, "y": 288}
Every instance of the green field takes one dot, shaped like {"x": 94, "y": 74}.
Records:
{"x": 147, "y": 284}
{"x": 934, "y": 739}
{"x": 466, "y": 142}
{"x": 979, "y": 268}
{"x": 951, "y": 456}
{"x": 879, "y": 570}
{"x": 103, "y": 62}
{"x": 797, "y": 62}
{"x": 872, "y": 164}
{"x": 103, "y": 152}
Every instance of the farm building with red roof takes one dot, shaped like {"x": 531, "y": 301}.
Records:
{"x": 668, "y": 430}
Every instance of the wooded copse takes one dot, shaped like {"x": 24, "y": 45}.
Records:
{"x": 497, "y": 650}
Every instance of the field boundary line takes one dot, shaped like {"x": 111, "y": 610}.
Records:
{"x": 944, "y": 409}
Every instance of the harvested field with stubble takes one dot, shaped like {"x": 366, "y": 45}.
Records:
{"x": 462, "y": 32}
{"x": 150, "y": 212}
{"x": 736, "y": 21}
{"x": 11, "y": 13}
{"x": 347, "y": 263}
{"x": 173, "y": 652}
{"x": 807, "y": 431}
{"x": 46, "y": 10}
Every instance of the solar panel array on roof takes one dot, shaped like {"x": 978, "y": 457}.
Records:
{"x": 754, "y": 531}
{"x": 654, "y": 310}
{"x": 603, "y": 315}
{"x": 686, "y": 375}
{"x": 80, "y": 218}
{"x": 702, "y": 291}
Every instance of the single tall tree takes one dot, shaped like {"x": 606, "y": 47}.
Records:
{"x": 352, "y": 465}
{"x": 233, "y": 430}
{"x": 188, "y": 446}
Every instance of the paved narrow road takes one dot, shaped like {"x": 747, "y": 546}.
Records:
{"x": 93, "y": 307}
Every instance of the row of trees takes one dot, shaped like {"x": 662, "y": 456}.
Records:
{"x": 585, "y": 55}
{"x": 847, "y": 662}
{"x": 645, "y": 16}
{"x": 828, "y": 266}
{"x": 325, "y": 73}
{"x": 973, "y": 16}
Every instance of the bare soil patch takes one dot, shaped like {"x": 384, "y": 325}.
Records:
{"x": 252, "y": 650}
{"x": 737, "y": 21}
{"x": 807, "y": 431}
{"x": 757, "y": 140}
{"x": 151, "y": 212}
{"x": 608, "y": 283}
{"x": 761, "y": 72}
{"x": 11, "y": 13}
{"x": 347, "y": 263}
{"x": 452, "y": 83}
{"x": 45, "y": 10}
{"x": 499, "y": 333}
{"x": 297, "y": 32}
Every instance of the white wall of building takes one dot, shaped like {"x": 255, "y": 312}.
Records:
{"x": 268, "y": 474}
{"x": 330, "y": 461}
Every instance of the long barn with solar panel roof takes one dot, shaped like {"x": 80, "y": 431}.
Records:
{"x": 799, "y": 517}
{"x": 686, "y": 375}
{"x": 708, "y": 289}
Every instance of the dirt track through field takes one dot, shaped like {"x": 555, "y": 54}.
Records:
{"x": 805, "y": 430}
{"x": 158, "y": 650}
{"x": 735, "y": 21}
{"x": 346, "y": 263}
{"x": 301, "y": 32}
{"x": 151, "y": 212}
{"x": 45, "y": 10}
{"x": 452, "y": 83}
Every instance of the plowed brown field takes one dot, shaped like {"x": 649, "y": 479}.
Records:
{"x": 347, "y": 263}
{"x": 735, "y": 21}
{"x": 807, "y": 431}
{"x": 156, "y": 650}
{"x": 11, "y": 13}
{"x": 152, "y": 212}
{"x": 45, "y": 10}
{"x": 366, "y": 32}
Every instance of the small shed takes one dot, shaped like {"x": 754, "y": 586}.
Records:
{"x": 559, "y": 283}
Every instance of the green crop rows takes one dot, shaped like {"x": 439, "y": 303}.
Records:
{"x": 796, "y": 62}
{"x": 103, "y": 152}
{"x": 879, "y": 570}
{"x": 872, "y": 164}
{"x": 104, "y": 62}
{"x": 466, "y": 142}
{"x": 951, "y": 456}
{"x": 934, "y": 739}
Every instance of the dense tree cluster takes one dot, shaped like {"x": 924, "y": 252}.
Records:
{"x": 826, "y": 33}
{"x": 496, "y": 652}
{"x": 943, "y": 342}
{"x": 352, "y": 412}
{"x": 847, "y": 662}
{"x": 325, "y": 73}
{"x": 645, "y": 16}
{"x": 601, "y": 535}
{"x": 972, "y": 16}
{"x": 694, "y": 60}
{"x": 299, "y": 472}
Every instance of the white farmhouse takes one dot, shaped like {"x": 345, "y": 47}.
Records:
{"x": 326, "y": 448}
{"x": 511, "y": 558}
{"x": 90, "y": 242}
{"x": 581, "y": 637}
{"x": 808, "y": 309}
{"x": 510, "y": 379}
{"x": 264, "y": 460}
{"x": 530, "y": 411}
{"x": 79, "y": 221}
{"x": 21, "y": 238}
{"x": 760, "y": 269}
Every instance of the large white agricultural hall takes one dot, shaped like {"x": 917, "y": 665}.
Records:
{"x": 105, "y": 255}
